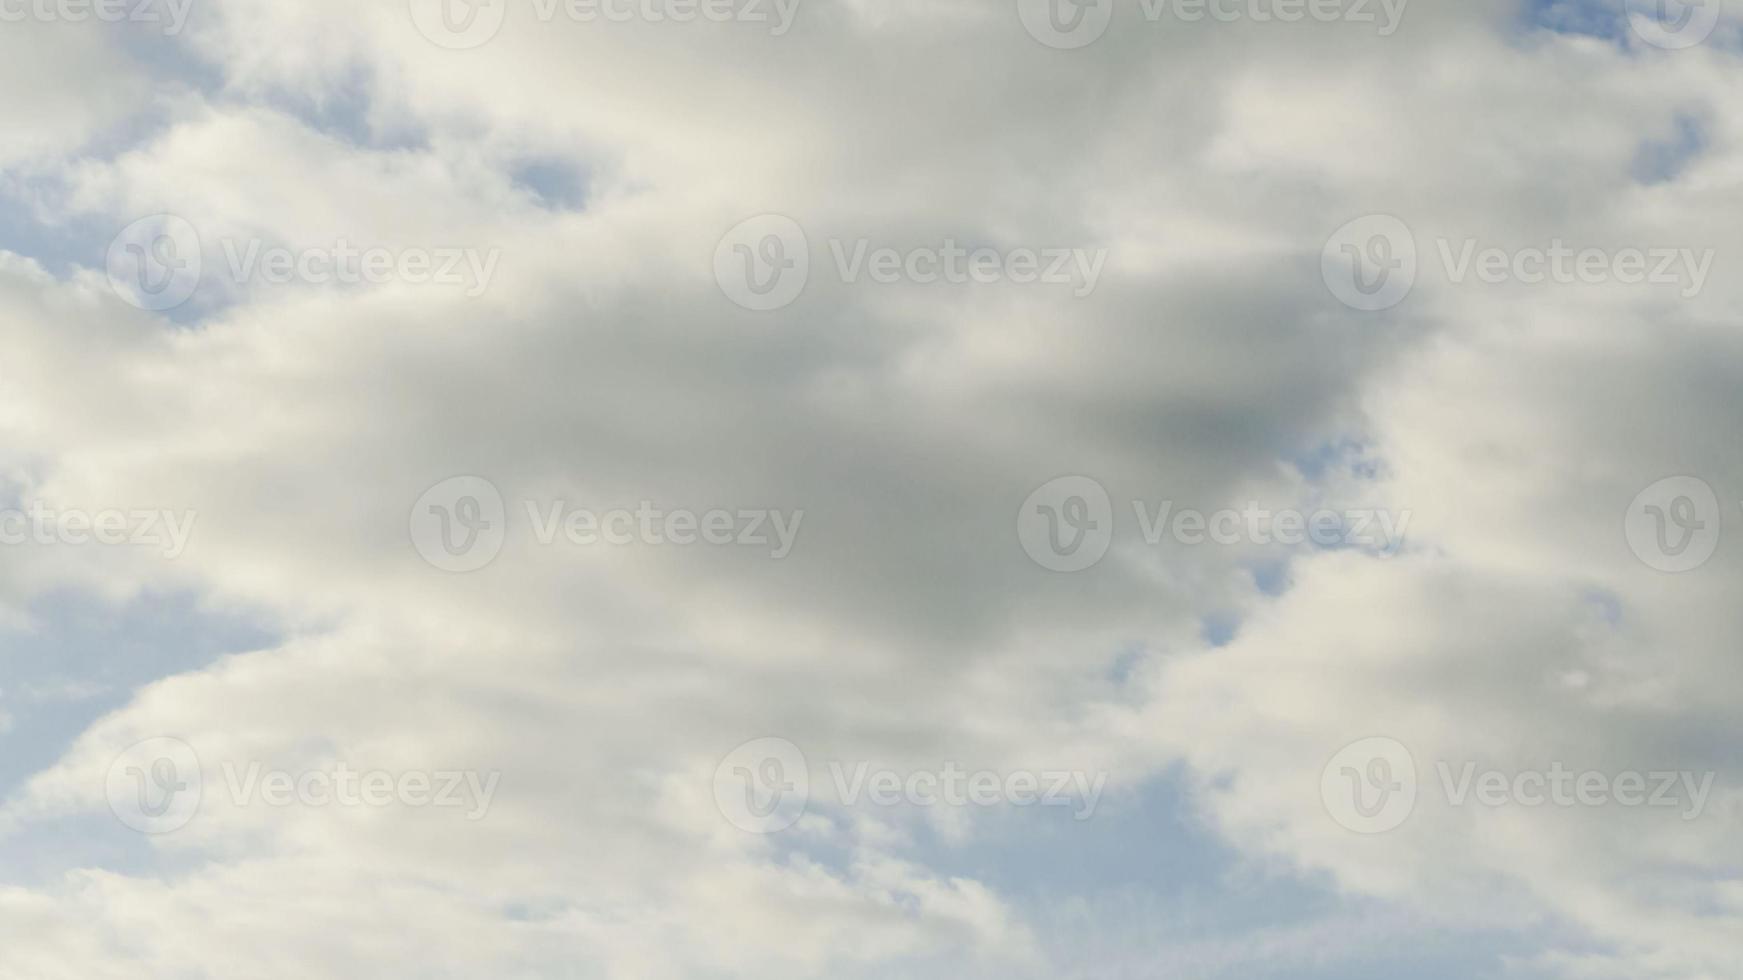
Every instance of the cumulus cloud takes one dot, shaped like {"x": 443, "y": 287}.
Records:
{"x": 601, "y": 366}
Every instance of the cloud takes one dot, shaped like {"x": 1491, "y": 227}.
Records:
{"x": 604, "y": 367}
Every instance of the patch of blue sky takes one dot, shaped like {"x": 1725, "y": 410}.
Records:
{"x": 1660, "y": 161}
{"x": 557, "y": 184}
{"x": 1608, "y": 20}
{"x": 1219, "y": 629}
{"x": 1592, "y": 18}
{"x": 83, "y": 658}
{"x": 1271, "y": 578}
{"x": 1144, "y": 875}
{"x": 1346, "y": 455}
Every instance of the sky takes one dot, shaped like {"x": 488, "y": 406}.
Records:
{"x": 694, "y": 489}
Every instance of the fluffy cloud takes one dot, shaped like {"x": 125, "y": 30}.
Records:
{"x": 604, "y": 367}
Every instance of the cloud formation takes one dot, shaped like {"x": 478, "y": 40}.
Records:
{"x": 602, "y": 367}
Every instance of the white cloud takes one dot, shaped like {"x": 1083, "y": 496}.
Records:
{"x": 604, "y": 366}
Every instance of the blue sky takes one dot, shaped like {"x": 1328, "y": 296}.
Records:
{"x": 623, "y": 352}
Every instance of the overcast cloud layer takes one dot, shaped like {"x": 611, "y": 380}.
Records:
{"x": 1259, "y": 740}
